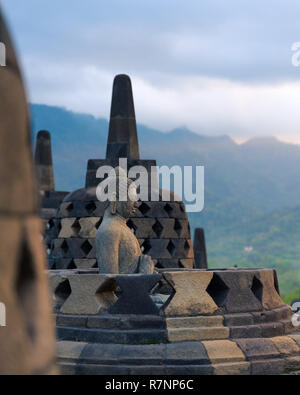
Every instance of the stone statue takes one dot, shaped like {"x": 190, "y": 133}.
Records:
{"x": 117, "y": 248}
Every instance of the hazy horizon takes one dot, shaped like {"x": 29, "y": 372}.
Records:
{"x": 236, "y": 140}
{"x": 217, "y": 68}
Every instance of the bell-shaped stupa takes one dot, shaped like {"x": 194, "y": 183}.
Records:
{"x": 162, "y": 227}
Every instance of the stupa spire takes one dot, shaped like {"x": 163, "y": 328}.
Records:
{"x": 122, "y": 138}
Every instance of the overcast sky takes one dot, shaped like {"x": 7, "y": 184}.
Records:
{"x": 213, "y": 66}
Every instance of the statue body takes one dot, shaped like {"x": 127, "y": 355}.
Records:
{"x": 117, "y": 248}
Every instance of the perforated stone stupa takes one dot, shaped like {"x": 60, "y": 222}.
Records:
{"x": 50, "y": 199}
{"x": 162, "y": 227}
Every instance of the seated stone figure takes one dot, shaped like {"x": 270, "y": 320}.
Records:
{"x": 117, "y": 248}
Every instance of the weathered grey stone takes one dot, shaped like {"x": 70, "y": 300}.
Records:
{"x": 182, "y": 228}
{"x": 164, "y": 228}
{"x": 181, "y": 248}
{"x": 88, "y": 227}
{"x": 43, "y": 161}
{"x": 195, "y": 322}
{"x": 142, "y": 227}
{"x": 90, "y": 293}
{"x": 267, "y": 367}
{"x": 264, "y": 316}
{"x": 131, "y": 322}
{"x": 296, "y": 338}
{"x": 122, "y": 137}
{"x": 284, "y": 312}
{"x": 168, "y": 264}
{"x": 272, "y": 329}
{"x": 68, "y": 228}
{"x": 232, "y": 369}
{"x": 64, "y": 263}
{"x": 200, "y": 249}
{"x": 223, "y": 351}
{"x": 292, "y": 364}
{"x": 159, "y": 248}
{"x": 191, "y": 297}
{"x": 151, "y": 210}
{"x": 239, "y": 296}
{"x": 108, "y": 336}
{"x": 70, "y": 349}
{"x": 238, "y": 319}
{"x": 189, "y": 370}
{"x": 251, "y": 331}
{"x": 79, "y": 248}
{"x": 135, "y": 298}
{"x": 71, "y": 320}
{"x": 270, "y": 298}
{"x": 187, "y": 263}
{"x": 187, "y": 353}
{"x": 85, "y": 263}
{"x": 256, "y": 349}
{"x": 61, "y": 289}
{"x": 286, "y": 345}
{"x": 197, "y": 334}
{"x": 65, "y": 210}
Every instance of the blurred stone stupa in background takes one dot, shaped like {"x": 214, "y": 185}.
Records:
{"x": 50, "y": 199}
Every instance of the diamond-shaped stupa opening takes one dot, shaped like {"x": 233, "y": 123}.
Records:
{"x": 144, "y": 208}
{"x": 257, "y": 288}
{"x": 50, "y": 224}
{"x": 98, "y": 223}
{"x": 65, "y": 246}
{"x": 90, "y": 207}
{"x": 218, "y": 290}
{"x": 146, "y": 247}
{"x": 62, "y": 292}
{"x": 70, "y": 207}
{"x": 76, "y": 226}
{"x": 131, "y": 225}
{"x": 171, "y": 248}
{"x": 186, "y": 247}
{"x": 158, "y": 228}
{"x": 169, "y": 209}
{"x": 72, "y": 265}
{"x": 86, "y": 247}
{"x": 178, "y": 227}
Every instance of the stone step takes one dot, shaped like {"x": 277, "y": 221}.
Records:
{"x": 195, "y": 322}
{"x": 114, "y": 322}
{"x": 127, "y": 370}
{"x": 187, "y": 353}
{"x": 197, "y": 334}
{"x": 146, "y": 336}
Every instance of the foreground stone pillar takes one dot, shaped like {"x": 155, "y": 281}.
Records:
{"x": 27, "y": 340}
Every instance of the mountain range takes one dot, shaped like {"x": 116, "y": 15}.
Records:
{"x": 252, "y": 190}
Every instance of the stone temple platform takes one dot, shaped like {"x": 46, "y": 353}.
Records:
{"x": 175, "y": 322}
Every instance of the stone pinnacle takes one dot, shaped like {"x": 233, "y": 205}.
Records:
{"x": 122, "y": 138}
{"x": 43, "y": 161}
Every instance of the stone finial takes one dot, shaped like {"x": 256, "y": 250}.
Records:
{"x": 200, "y": 249}
{"x": 122, "y": 138}
{"x": 43, "y": 161}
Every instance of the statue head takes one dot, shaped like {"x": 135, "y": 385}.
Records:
{"x": 123, "y": 202}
